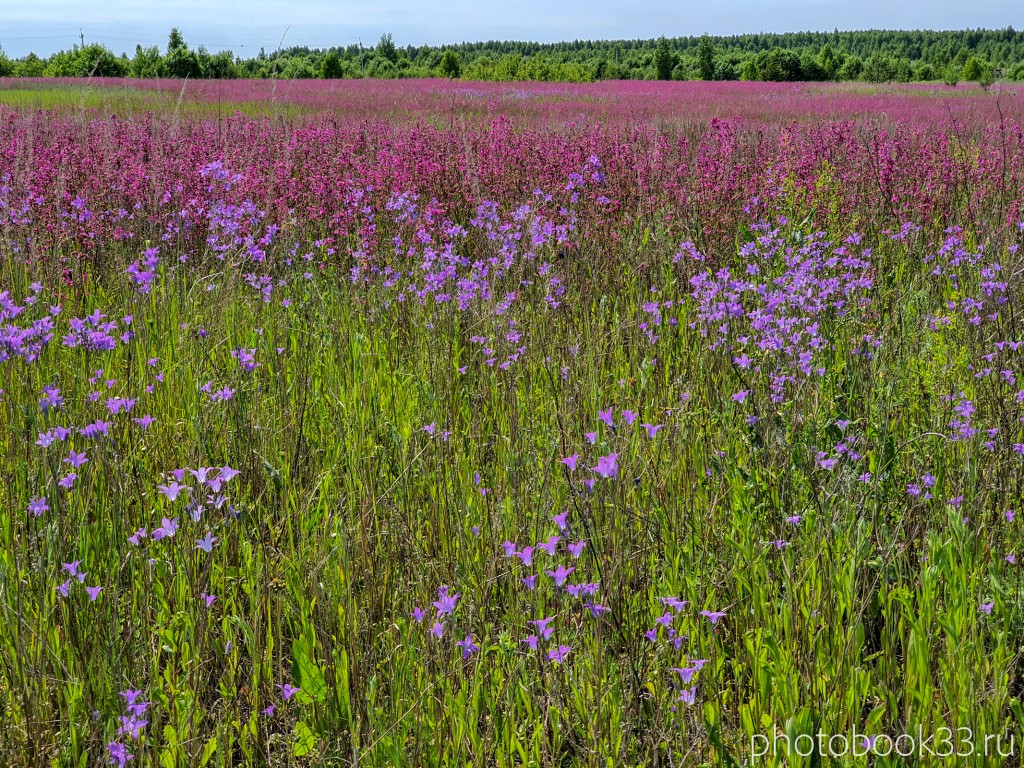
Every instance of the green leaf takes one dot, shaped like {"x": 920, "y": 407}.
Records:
{"x": 304, "y": 740}
{"x": 208, "y": 750}
{"x": 309, "y": 676}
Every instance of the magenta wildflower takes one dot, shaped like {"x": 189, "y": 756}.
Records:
{"x": 674, "y": 603}
{"x": 288, "y": 690}
{"x": 713, "y": 616}
{"x": 208, "y": 599}
{"x": 37, "y": 506}
{"x": 173, "y": 490}
{"x": 558, "y": 654}
{"x": 686, "y": 673}
{"x": 741, "y": 396}
{"x": 76, "y": 460}
{"x": 131, "y": 725}
{"x": 531, "y": 641}
{"x": 206, "y": 543}
{"x": 118, "y": 754}
{"x": 93, "y": 592}
{"x": 542, "y": 627}
{"x": 445, "y": 602}
{"x": 687, "y": 695}
{"x": 571, "y": 461}
{"x": 652, "y": 429}
{"x": 130, "y": 696}
{"x": 607, "y": 466}
{"x": 577, "y": 549}
{"x": 166, "y": 530}
{"x": 525, "y": 555}
{"x": 550, "y": 545}
{"x": 468, "y": 646}
{"x": 438, "y": 629}
{"x": 560, "y": 574}
{"x": 97, "y": 428}
{"x": 136, "y": 537}
{"x": 986, "y": 608}
{"x": 606, "y": 417}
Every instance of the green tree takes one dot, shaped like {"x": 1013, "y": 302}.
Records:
{"x": 726, "y": 70}
{"x": 924, "y": 73}
{"x": 386, "y": 48}
{"x": 829, "y": 62}
{"x": 175, "y": 41}
{"x": 451, "y": 64}
{"x": 509, "y": 67}
{"x": 30, "y": 66}
{"x": 851, "y": 69}
{"x": 664, "y": 59}
{"x": 779, "y": 65}
{"x": 706, "y": 58}
{"x": 950, "y": 76}
{"x": 972, "y": 69}
{"x": 811, "y": 70}
{"x": 330, "y": 67}
{"x": 879, "y": 68}
{"x": 146, "y": 63}
{"x": 181, "y": 62}
{"x": 219, "y": 66}
{"x": 91, "y": 61}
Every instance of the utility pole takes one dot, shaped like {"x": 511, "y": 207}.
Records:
{"x": 81, "y": 34}
{"x": 362, "y": 61}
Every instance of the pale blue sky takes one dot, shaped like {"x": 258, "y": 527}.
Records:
{"x": 48, "y": 25}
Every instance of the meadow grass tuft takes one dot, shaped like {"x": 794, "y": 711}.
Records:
{"x": 565, "y": 477}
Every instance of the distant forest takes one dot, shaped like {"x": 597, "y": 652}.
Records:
{"x": 982, "y": 56}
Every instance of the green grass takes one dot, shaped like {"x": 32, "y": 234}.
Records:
{"x": 112, "y": 100}
{"x": 349, "y": 515}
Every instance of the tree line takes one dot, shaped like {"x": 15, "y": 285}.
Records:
{"x": 980, "y": 55}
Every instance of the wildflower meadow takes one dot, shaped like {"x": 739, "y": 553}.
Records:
{"x": 427, "y": 423}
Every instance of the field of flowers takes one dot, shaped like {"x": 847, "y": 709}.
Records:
{"x": 428, "y": 424}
